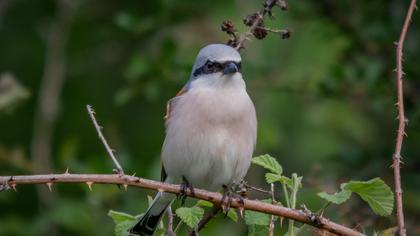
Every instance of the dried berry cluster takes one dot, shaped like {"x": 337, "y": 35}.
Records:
{"x": 256, "y": 25}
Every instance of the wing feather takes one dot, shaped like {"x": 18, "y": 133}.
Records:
{"x": 163, "y": 174}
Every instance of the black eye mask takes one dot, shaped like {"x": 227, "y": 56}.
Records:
{"x": 211, "y": 67}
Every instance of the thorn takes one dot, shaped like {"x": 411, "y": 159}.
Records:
{"x": 67, "y": 171}
{"x": 160, "y": 190}
{"x": 49, "y": 184}
{"x": 125, "y": 186}
{"x": 241, "y": 212}
{"x": 134, "y": 174}
{"x": 396, "y": 43}
{"x": 14, "y": 187}
{"x": 89, "y": 184}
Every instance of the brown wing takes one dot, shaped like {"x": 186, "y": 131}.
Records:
{"x": 163, "y": 174}
{"x": 169, "y": 103}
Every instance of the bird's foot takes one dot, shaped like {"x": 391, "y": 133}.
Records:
{"x": 228, "y": 195}
{"x": 185, "y": 186}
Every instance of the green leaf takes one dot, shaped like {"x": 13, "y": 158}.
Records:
{"x": 256, "y": 218}
{"x": 123, "y": 222}
{"x": 388, "y": 232}
{"x": 287, "y": 181}
{"x": 271, "y": 178}
{"x": 121, "y": 229}
{"x": 204, "y": 203}
{"x": 257, "y": 230}
{"x": 119, "y": 217}
{"x": 336, "y": 198}
{"x": 268, "y": 162}
{"x": 375, "y": 192}
{"x": 297, "y": 181}
{"x": 233, "y": 215}
{"x": 190, "y": 215}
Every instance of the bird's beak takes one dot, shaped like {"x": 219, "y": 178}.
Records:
{"x": 230, "y": 68}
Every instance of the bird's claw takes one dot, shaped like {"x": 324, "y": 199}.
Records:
{"x": 227, "y": 198}
{"x": 185, "y": 186}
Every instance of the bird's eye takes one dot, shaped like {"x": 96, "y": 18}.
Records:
{"x": 210, "y": 65}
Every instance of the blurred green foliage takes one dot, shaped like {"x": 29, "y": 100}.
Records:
{"x": 325, "y": 101}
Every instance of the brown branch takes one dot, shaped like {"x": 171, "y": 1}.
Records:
{"x": 7, "y": 182}
{"x": 401, "y": 121}
{"x": 256, "y": 189}
{"x": 170, "y": 229}
{"x": 273, "y": 201}
{"x": 98, "y": 128}
{"x": 255, "y": 22}
{"x": 206, "y": 218}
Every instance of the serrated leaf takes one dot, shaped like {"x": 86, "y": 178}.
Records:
{"x": 121, "y": 229}
{"x": 375, "y": 192}
{"x": 268, "y": 162}
{"x": 271, "y": 178}
{"x": 257, "y": 230}
{"x": 233, "y": 215}
{"x": 287, "y": 181}
{"x": 336, "y": 198}
{"x": 204, "y": 203}
{"x": 123, "y": 222}
{"x": 119, "y": 217}
{"x": 256, "y": 218}
{"x": 190, "y": 215}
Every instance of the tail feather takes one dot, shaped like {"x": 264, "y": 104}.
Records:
{"x": 147, "y": 224}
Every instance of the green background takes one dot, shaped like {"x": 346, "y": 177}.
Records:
{"x": 325, "y": 101}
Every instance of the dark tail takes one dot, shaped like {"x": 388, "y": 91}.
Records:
{"x": 150, "y": 220}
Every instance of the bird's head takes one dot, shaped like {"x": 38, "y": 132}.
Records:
{"x": 217, "y": 65}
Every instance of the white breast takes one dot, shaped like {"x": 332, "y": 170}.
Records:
{"x": 210, "y": 137}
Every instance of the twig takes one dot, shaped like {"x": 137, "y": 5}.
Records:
{"x": 213, "y": 197}
{"x": 206, "y": 218}
{"x": 98, "y": 128}
{"x": 256, "y": 25}
{"x": 401, "y": 120}
{"x": 257, "y": 189}
{"x": 170, "y": 231}
{"x": 273, "y": 201}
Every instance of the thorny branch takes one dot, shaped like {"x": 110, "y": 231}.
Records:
{"x": 170, "y": 229}
{"x": 272, "y": 219}
{"x": 402, "y": 120}
{"x": 256, "y": 25}
{"x": 7, "y": 182}
{"x": 98, "y": 128}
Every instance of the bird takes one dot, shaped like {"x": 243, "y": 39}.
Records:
{"x": 211, "y": 131}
